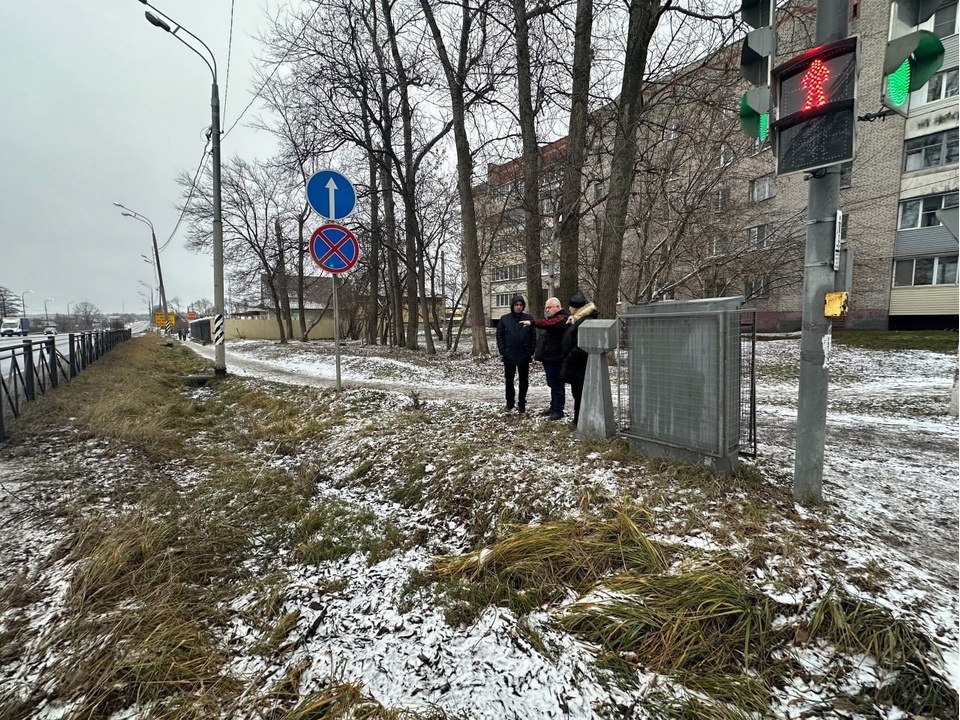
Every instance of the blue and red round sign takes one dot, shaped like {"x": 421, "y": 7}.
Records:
{"x": 334, "y": 248}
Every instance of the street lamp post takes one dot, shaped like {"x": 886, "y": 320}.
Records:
{"x": 220, "y": 367}
{"x": 156, "y": 258}
{"x": 23, "y": 302}
{"x": 46, "y": 315}
{"x": 150, "y": 289}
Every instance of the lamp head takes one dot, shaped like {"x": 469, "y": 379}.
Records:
{"x": 155, "y": 21}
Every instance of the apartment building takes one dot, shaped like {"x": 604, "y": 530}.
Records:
{"x": 710, "y": 217}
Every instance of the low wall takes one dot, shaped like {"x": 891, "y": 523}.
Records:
{"x": 268, "y": 329}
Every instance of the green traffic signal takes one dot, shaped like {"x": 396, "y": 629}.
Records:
{"x": 898, "y": 84}
{"x": 910, "y": 61}
{"x": 755, "y": 124}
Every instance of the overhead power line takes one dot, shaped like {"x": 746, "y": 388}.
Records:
{"x": 276, "y": 67}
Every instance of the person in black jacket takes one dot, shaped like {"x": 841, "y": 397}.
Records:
{"x": 574, "y": 368}
{"x": 516, "y": 341}
{"x": 550, "y": 353}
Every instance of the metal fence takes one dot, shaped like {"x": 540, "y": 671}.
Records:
{"x": 34, "y": 368}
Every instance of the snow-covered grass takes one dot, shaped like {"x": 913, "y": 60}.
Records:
{"x": 338, "y": 504}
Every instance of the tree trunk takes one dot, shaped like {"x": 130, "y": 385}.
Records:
{"x": 302, "y": 251}
{"x": 570, "y": 202}
{"x": 469, "y": 248}
{"x": 283, "y": 280}
{"x": 531, "y": 159}
{"x": 644, "y": 16}
{"x": 373, "y": 273}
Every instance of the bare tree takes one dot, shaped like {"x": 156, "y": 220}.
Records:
{"x": 472, "y": 19}
{"x": 252, "y": 234}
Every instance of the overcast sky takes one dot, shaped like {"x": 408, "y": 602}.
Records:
{"x": 100, "y": 106}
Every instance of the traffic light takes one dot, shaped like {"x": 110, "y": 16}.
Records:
{"x": 909, "y": 62}
{"x": 759, "y": 47}
{"x": 815, "y": 101}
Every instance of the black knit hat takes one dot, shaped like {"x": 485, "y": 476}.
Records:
{"x": 578, "y": 301}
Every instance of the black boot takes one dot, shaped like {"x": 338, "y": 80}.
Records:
{"x": 521, "y": 407}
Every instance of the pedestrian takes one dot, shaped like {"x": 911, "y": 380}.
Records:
{"x": 550, "y": 353}
{"x": 574, "y": 368}
{"x": 516, "y": 341}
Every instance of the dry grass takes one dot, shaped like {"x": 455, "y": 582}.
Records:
{"x": 547, "y": 561}
{"x": 155, "y": 561}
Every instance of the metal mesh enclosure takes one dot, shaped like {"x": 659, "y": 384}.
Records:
{"x": 684, "y": 379}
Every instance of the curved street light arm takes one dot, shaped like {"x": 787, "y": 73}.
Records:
{"x": 157, "y": 22}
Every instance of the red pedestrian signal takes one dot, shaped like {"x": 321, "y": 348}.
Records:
{"x": 815, "y": 98}
{"x": 813, "y": 82}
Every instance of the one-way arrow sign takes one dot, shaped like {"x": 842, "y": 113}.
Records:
{"x": 331, "y": 195}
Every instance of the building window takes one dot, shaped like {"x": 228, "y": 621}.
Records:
{"x": 846, "y": 174}
{"x": 725, "y": 156}
{"x": 760, "y": 237}
{"x": 761, "y": 145}
{"x": 508, "y": 272}
{"x": 942, "y": 85}
{"x": 722, "y": 200}
{"x": 922, "y": 212}
{"x": 718, "y": 288}
{"x": 671, "y": 131}
{"x": 854, "y": 9}
{"x": 925, "y": 271}
{"x": 756, "y": 287}
{"x": 599, "y": 190}
{"x": 945, "y": 21}
{"x": 763, "y": 188}
{"x": 931, "y": 150}
{"x": 503, "y": 299}
{"x": 721, "y": 245}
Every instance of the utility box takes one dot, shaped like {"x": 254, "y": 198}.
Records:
{"x": 684, "y": 381}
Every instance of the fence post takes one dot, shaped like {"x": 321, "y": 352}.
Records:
{"x": 73, "y": 356}
{"x": 29, "y": 390}
{"x": 52, "y": 361}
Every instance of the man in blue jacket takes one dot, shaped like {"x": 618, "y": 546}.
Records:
{"x": 516, "y": 341}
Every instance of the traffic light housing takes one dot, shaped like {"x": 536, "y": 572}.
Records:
{"x": 909, "y": 62}
{"x": 816, "y": 107}
{"x": 759, "y": 46}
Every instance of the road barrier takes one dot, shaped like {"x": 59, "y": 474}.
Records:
{"x": 36, "y": 367}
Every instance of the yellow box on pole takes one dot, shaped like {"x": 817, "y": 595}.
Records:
{"x": 835, "y": 304}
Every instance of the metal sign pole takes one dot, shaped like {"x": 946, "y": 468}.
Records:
{"x": 336, "y": 328}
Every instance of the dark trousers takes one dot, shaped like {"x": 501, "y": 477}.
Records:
{"x": 523, "y": 372}
{"x": 557, "y": 394}
{"x": 576, "y": 388}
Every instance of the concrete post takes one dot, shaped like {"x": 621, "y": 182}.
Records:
{"x": 597, "y": 337}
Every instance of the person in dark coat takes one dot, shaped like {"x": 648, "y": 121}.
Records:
{"x": 516, "y": 341}
{"x": 550, "y": 353}
{"x": 574, "y": 368}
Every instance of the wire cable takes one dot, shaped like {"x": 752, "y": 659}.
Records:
{"x": 276, "y": 67}
{"x": 226, "y": 82}
{"x": 193, "y": 187}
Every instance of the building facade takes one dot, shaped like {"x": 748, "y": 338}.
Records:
{"x": 710, "y": 217}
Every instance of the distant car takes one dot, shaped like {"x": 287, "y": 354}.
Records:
{"x": 50, "y": 330}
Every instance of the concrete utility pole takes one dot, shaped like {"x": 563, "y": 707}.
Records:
{"x": 818, "y": 280}
{"x": 220, "y": 362}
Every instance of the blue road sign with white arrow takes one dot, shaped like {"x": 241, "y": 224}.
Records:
{"x": 331, "y": 195}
